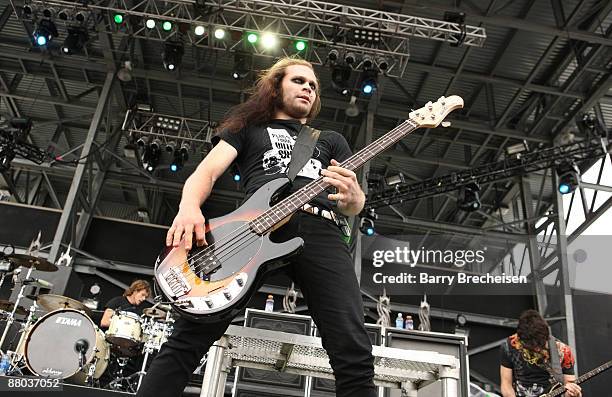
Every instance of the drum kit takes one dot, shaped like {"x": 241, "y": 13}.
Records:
{"x": 66, "y": 343}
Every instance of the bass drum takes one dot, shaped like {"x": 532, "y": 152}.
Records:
{"x": 51, "y": 346}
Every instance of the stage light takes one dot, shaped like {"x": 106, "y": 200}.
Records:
{"x": 28, "y": 10}
{"x": 49, "y": 12}
{"x": 333, "y": 55}
{"x": 350, "y": 58}
{"x": 394, "y": 180}
{"x": 269, "y": 41}
{"x": 6, "y": 156}
{"x": 74, "y": 41}
{"x": 237, "y": 177}
{"x": 125, "y": 73}
{"x": 367, "y": 62}
{"x": 64, "y": 14}
{"x": 150, "y": 23}
{"x": 569, "y": 177}
{"x": 177, "y": 162}
{"x": 199, "y": 30}
{"x": 167, "y": 26}
{"x": 366, "y": 226}
{"x": 219, "y": 33}
{"x": 150, "y": 158}
{"x": 368, "y": 86}
{"x": 170, "y": 146}
{"x": 300, "y": 45}
{"x": 252, "y": 38}
{"x": 172, "y": 55}
{"x": 469, "y": 197}
{"x": 242, "y": 65}
{"x": 156, "y": 144}
{"x": 340, "y": 77}
{"x": 45, "y": 32}
{"x": 118, "y": 18}
{"x": 81, "y": 16}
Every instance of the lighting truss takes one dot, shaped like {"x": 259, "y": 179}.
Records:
{"x": 324, "y": 25}
{"x": 488, "y": 173}
{"x": 168, "y": 129}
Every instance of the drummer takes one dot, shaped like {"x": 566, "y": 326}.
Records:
{"x": 131, "y": 301}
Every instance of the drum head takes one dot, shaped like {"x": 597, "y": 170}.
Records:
{"x": 50, "y": 348}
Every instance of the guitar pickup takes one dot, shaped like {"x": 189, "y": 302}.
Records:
{"x": 177, "y": 283}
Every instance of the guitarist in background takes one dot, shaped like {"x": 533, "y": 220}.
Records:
{"x": 526, "y": 369}
{"x": 259, "y": 135}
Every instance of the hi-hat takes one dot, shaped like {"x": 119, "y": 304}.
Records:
{"x": 8, "y": 307}
{"x": 52, "y": 302}
{"x": 31, "y": 261}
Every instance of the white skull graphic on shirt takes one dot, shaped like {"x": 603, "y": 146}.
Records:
{"x": 276, "y": 160}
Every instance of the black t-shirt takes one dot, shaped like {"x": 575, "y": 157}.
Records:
{"x": 529, "y": 373}
{"x": 264, "y": 153}
{"x": 121, "y": 303}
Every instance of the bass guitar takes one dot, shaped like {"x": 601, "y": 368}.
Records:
{"x": 214, "y": 282}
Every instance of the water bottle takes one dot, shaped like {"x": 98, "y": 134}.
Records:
{"x": 270, "y": 304}
{"x": 399, "y": 321}
{"x": 4, "y": 364}
{"x": 409, "y": 322}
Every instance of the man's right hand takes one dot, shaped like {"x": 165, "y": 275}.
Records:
{"x": 188, "y": 220}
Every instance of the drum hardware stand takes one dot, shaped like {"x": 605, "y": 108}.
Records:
{"x": 116, "y": 383}
{"x": 16, "y": 357}
{"x": 92, "y": 370}
{"x": 11, "y": 317}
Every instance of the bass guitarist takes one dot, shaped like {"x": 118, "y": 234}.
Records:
{"x": 259, "y": 135}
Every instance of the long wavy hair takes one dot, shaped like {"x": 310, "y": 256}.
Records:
{"x": 265, "y": 97}
{"x": 532, "y": 330}
{"x": 137, "y": 286}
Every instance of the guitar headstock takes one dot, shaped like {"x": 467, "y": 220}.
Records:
{"x": 432, "y": 114}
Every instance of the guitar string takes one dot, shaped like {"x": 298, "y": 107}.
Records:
{"x": 400, "y": 131}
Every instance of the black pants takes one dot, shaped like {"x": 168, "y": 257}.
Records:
{"x": 325, "y": 274}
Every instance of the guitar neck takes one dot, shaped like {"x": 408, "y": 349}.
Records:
{"x": 293, "y": 202}
{"x": 584, "y": 377}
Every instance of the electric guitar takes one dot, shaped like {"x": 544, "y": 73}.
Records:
{"x": 559, "y": 389}
{"x": 214, "y": 282}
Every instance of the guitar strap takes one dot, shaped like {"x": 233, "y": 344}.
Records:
{"x": 555, "y": 361}
{"x": 302, "y": 150}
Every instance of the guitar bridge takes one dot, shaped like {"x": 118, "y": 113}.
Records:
{"x": 177, "y": 283}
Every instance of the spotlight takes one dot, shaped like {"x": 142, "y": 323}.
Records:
{"x": 269, "y": 41}
{"x": 28, "y": 10}
{"x": 382, "y": 63}
{"x": 118, "y": 18}
{"x": 333, "y": 55}
{"x": 368, "y": 82}
{"x": 156, "y": 144}
{"x": 219, "y": 33}
{"x": 45, "y": 32}
{"x": 235, "y": 172}
{"x": 469, "y": 197}
{"x": 167, "y": 26}
{"x": 172, "y": 55}
{"x": 340, "y": 77}
{"x": 81, "y": 16}
{"x": 49, "y": 12}
{"x": 394, "y": 180}
{"x": 185, "y": 146}
{"x": 366, "y": 226}
{"x": 300, "y": 45}
{"x": 170, "y": 146}
{"x": 75, "y": 40}
{"x": 150, "y": 23}
{"x": 143, "y": 141}
{"x": 252, "y": 38}
{"x": 199, "y": 30}
{"x": 569, "y": 177}
{"x": 64, "y": 14}
{"x": 367, "y": 62}
{"x": 350, "y": 58}
{"x": 177, "y": 162}
{"x": 363, "y": 37}
{"x": 242, "y": 65}
{"x": 150, "y": 157}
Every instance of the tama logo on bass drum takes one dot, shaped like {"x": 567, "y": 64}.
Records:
{"x": 74, "y": 322}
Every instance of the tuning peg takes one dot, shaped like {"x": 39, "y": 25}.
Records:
{"x": 446, "y": 124}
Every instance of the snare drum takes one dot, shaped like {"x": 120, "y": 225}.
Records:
{"x": 125, "y": 330}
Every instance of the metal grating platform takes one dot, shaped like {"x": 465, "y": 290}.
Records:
{"x": 304, "y": 355}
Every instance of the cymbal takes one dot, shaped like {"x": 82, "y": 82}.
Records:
{"x": 53, "y": 302}
{"x": 8, "y": 306}
{"x": 154, "y": 313}
{"x": 31, "y": 261}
